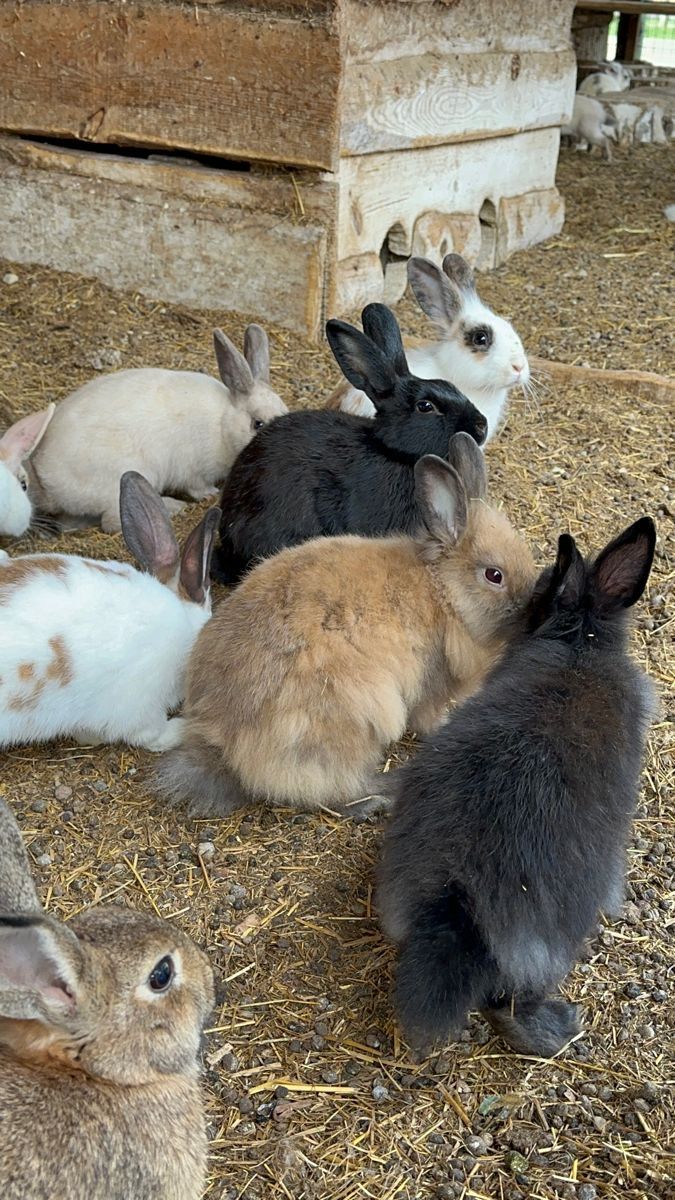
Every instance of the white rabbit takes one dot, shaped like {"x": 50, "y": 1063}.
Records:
{"x": 182, "y": 430}
{"x": 20, "y": 440}
{"x": 480, "y": 353}
{"x": 610, "y": 77}
{"x": 98, "y": 650}
{"x": 590, "y": 123}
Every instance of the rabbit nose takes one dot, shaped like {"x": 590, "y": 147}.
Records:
{"x": 517, "y": 367}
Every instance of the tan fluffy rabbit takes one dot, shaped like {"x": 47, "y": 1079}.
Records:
{"x": 100, "y": 1024}
{"x": 325, "y": 653}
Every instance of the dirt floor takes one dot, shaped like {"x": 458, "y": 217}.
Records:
{"x": 311, "y": 1092}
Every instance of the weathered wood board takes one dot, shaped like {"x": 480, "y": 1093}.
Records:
{"x": 206, "y": 238}
{"x": 242, "y": 81}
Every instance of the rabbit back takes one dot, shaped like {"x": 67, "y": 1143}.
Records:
{"x": 177, "y": 428}
{"x": 336, "y": 668}
{"x": 519, "y": 805}
{"x": 87, "y": 646}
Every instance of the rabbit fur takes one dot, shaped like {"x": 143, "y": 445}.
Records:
{"x": 98, "y": 650}
{"x": 326, "y": 473}
{"x": 480, "y": 353}
{"x": 16, "y": 445}
{"x": 326, "y": 653}
{"x": 180, "y": 429}
{"x": 99, "y": 1076}
{"x": 509, "y": 828}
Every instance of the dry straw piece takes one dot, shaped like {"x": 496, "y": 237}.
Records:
{"x": 311, "y": 1091}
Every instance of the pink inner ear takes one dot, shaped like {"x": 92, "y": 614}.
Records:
{"x": 22, "y": 438}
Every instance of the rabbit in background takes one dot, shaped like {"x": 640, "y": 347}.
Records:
{"x": 181, "y": 430}
{"x": 509, "y": 828}
{"x": 98, "y": 650}
{"x": 100, "y": 1028}
{"x": 479, "y": 352}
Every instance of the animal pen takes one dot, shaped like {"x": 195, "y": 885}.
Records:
{"x": 167, "y": 168}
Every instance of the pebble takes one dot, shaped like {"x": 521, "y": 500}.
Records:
{"x": 106, "y": 358}
{"x": 586, "y": 1191}
{"x": 238, "y": 891}
{"x": 206, "y": 851}
{"x": 62, "y": 792}
{"x": 100, "y": 786}
{"x": 39, "y": 806}
{"x": 476, "y": 1146}
{"x": 44, "y": 860}
{"x": 380, "y": 1093}
{"x": 329, "y": 1076}
{"x": 245, "y": 1105}
{"x": 10, "y": 278}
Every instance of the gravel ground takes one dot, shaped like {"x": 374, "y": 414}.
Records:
{"x": 311, "y": 1092}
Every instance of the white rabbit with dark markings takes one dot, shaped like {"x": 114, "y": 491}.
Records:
{"x": 480, "y": 353}
{"x": 98, "y": 650}
{"x": 510, "y": 826}
{"x": 100, "y": 1027}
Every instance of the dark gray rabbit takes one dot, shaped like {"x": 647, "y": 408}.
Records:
{"x": 509, "y": 829}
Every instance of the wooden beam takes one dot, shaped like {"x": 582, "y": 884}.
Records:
{"x": 664, "y": 7}
{"x": 244, "y": 83}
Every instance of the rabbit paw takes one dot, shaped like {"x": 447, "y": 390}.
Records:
{"x": 172, "y": 505}
{"x": 169, "y": 736}
{"x": 202, "y": 492}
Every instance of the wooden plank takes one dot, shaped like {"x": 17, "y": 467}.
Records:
{"x": 380, "y": 192}
{"x": 201, "y": 237}
{"x": 428, "y": 99}
{"x": 242, "y": 82}
{"x": 663, "y": 7}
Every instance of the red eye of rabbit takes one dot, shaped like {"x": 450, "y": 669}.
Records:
{"x": 425, "y": 406}
{"x": 494, "y": 575}
{"x": 160, "y": 977}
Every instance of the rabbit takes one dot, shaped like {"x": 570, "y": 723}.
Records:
{"x": 326, "y": 473}
{"x": 98, "y": 650}
{"x": 480, "y": 353}
{"x": 100, "y": 1027}
{"x": 16, "y": 445}
{"x": 180, "y": 429}
{"x": 610, "y": 77}
{"x": 326, "y": 653}
{"x": 509, "y": 828}
{"x": 590, "y": 123}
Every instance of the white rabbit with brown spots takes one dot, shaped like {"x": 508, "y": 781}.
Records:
{"x": 98, "y": 650}
{"x": 100, "y": 1027}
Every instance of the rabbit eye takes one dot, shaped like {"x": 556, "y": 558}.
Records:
{"x": 160, "y": 977}
{"x": 425, "y": 406}
{"x": 480, "y": 338}
{"x": 258, "y": 424}
{"x": 24, "y": 485}
{"x": 494, "y": 575}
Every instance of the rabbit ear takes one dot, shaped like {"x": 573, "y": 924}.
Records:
{"x": 459, "y": 272}
{"x": 466, "y": 456}
{"x": 17, "y": 890}
{"x": 620, "y": 572}
{"x": 234, "y": 369}
{"x": 441, "y": 302}
{"x": 441, "y": 499}
{"x": 257, "y": 352}
{"x": 41, "y": 965}
{"x": 146, "y": 527}
{"x": 562, "y": 585}
{"x": 195, "y": 561}
{"x": 21, "y": 439}
{"x": 381, "y": 326}
{"x": 361, "y": 361}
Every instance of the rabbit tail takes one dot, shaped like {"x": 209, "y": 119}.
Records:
{"x": 195, "y": 774}
{"x": 444, "y": 970}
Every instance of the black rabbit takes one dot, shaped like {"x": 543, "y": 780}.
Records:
{"x": 320, "y": 473}
{"x": 509, "y": 829}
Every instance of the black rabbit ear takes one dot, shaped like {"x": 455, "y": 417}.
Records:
{"x": 361, "y": 361}
{"x": 381, "y": 326}
{"x": 620, "y": 572}
{"x": 561, "y": 585}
